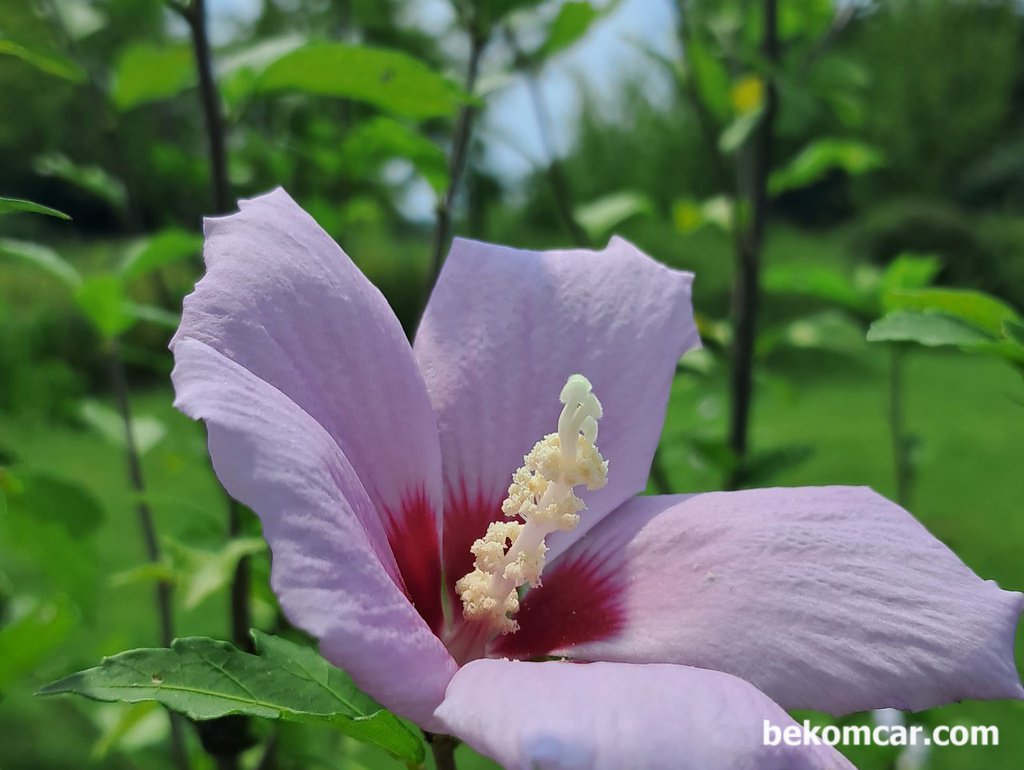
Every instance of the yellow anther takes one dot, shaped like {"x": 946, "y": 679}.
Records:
{"x": 511, "y": 554}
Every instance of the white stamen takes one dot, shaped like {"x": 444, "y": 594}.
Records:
{"x": 510, "y": 554}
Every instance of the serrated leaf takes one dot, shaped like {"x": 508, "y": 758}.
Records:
{"x": 103, "y": 301}
{"x": 44, "y": 61}
{"x": 603, "y": 215}
{"x": 14, "y": 205}
{"x": 30, "y": 638}
{"x": 92, "y": 179}
{"x": 930, "y": 329}
{"x": 147, "y": 431}
{"x": 819, "y": 157}
{"x": 976, "y": 308}
{"x": 148, "y": 73}
{"x": 42, "y": 257}
{"x": 167, "y": 247}
{"x": 390, "y": 80}
{"x": 206, "y": 679}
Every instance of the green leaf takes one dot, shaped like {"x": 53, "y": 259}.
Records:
{"x": 102, "y": 300}
{"x": 42, "y": 257}
{"x": 603, "y": 215}
{"x": 28, "y": 640}
{"x": 44, "y": 61}
{"x": 200, "y": 573}
{"x": 1013, "y": 330}
{"x": 92, "y": 179}
{"x": 147, "y": 73}
{"x": 831, "y": 330}
{"x": 910, "y": 271}
{"x": 819, "y": 157}
{"x": 569, "y": 26}
{"x": 147, "y": 431}
{"x": 48, "y": 498}
{"x": 206, "y": 679}
{"x": 129, "y": 728}
{"x": 689, "y": 215}
{"x": 736, "y": 133}
{"x": 390, "y": 80}
{"x": 380, "y": 139}
{"x": 930, "y": 329}
{"x": 153, "y": 314}
{"x": 167, "y": 247}
{"x": 820, "y": 282}
{"x": 973, "y": 307}
{"x": 12, "y": 205}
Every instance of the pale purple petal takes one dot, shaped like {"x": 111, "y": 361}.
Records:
{"x": 272, "y": 456}
{"x": 829, "y": 598}
{"x": 281, "y": 299}
{"x": 610, "y": 716}
{"x": 504, "y": 329}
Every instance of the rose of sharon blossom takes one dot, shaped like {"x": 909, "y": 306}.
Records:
{"x": 584, "y": 626}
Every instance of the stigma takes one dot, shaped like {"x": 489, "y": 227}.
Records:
{"x": 541, "y": 499}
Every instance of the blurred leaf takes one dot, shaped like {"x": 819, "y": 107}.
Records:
{"x": 29, "y": 639}
{"x": 206, "y": 679}
{"x": 820, "y": 282}
{"x": 43, "y": 258}
{"x": 147, "y": 430}
{"x": 689, "y": 215}
{"x": 167, "y": 247}
{"x": 747, "y": 94}
{"x": 711, "y": 78}
{"x": 79, "y": 19}
{"x": 736, "y": 133}
{"x": 45, "y": 61}
{"x": 1014, "y": 330}
{"x": 92, "y": 179}
{"x": 821, "y": 156}
{"x": 154, "y": 315}
{"x": 200, "y": 573}
{"x": 147, "y": 73}
{"x": 572, "y": 22}
{"x": 130, "y": 728}
{"x": 764, "y": 467}
{"x": 390, "y": 80}
{"x": 102, "y": 300}
{"x": 931, "y": 329}
{"x": 12, "y": 205}
{"x": 47, "y": 498}
{"x": 381, "y": 139}
{"x": 600, "y": 217}
{"x": 147, "y": 572}
{"x": 973, "y": 307}
{"x": 829, "y": 330}
{"x": 909, "y": 271}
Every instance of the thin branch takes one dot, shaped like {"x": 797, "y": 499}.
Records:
{"x": 163, "y": 591}
{"x": 457, "y": 160}
{"x": 443, "y": 749}
{"x": 752, "y": 183}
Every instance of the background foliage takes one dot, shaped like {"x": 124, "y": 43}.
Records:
{"x": 891, "y": 192}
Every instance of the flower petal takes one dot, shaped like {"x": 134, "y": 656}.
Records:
{"x": 607, "y": 716}
{"x": 503, "y": 330}
{"x": 281, "y": 299}
{"x": 273, "y": 457}
{"x": 829, "y": 598}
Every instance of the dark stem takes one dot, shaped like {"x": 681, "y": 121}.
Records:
{"x": 752, "y": 185}
{"x": 443, "y": 749}
{"x": 163, "y": 593}
{"x": 195, "y": 15}
{"x": 902, "y": 468}
{"x": 457, "y": 160}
